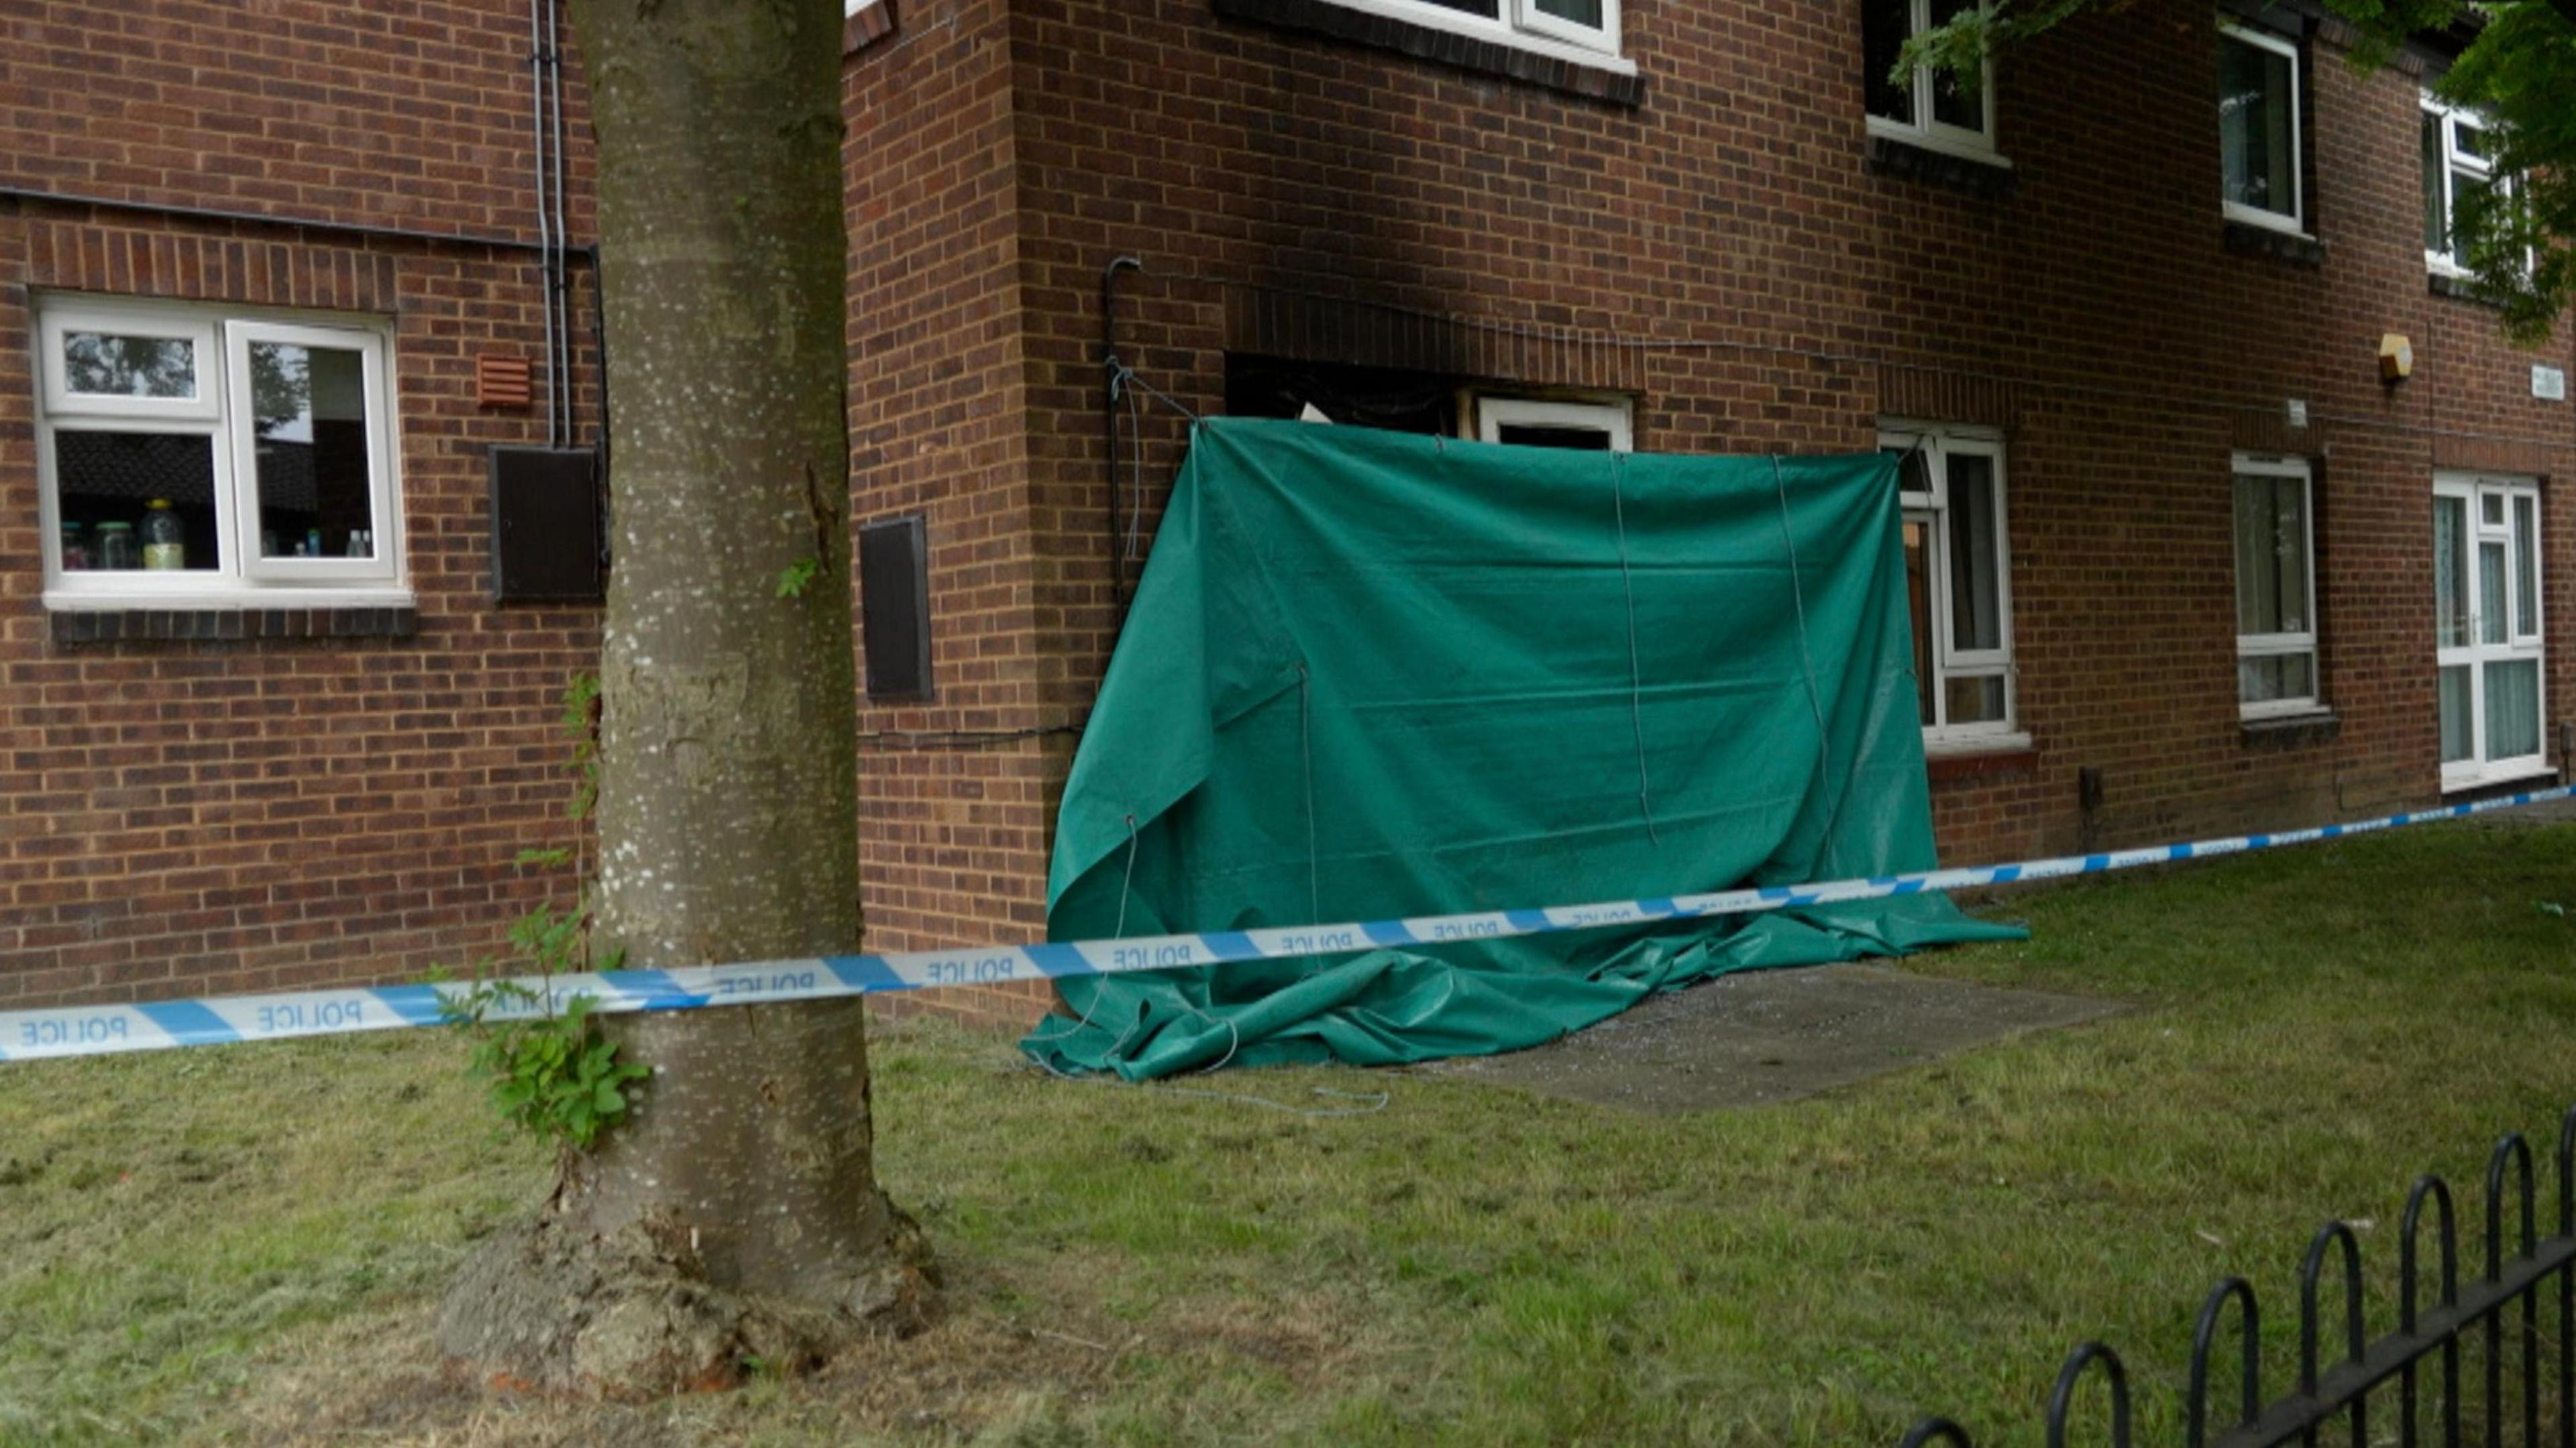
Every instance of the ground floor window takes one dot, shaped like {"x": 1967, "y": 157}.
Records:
{"x": 192, "y": 456}
{"x": 1958, "y": 579}
{"x": 2276, "y": 598}
{"x": 2487, "y": 628}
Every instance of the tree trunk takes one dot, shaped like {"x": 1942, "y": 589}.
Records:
{"x": 733, "y": 1220}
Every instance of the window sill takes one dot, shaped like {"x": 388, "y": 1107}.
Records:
{"x": 2291, "y": 731}
{"x": 2254, "y": 239}
{"x": 92, "y": 623}
{"x": 2495, "y": 778}
{"x": 2459, "y": 287}
{"x": 1910, "y": 158}
{"x": 867, "y": 25}
{"x": 1978, "y": 758}
{"x": 1539, "y": 62}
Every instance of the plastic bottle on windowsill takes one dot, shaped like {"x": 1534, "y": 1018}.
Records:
{"x": 164, "y": 542}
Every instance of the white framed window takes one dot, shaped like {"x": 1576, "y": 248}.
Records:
{"x": 1958, "y": 581}
{"x": 1580, "y": 30}
{"x": 1607, "y": 426}
{"x": 1937, "y": 111}
{"x": 2259, "y": 134}
{"x": 192, "y": 457}
{"x": 2276, "y": 592}
{"x": 2487, "y": 628}
{"x": 2459, "y": 158}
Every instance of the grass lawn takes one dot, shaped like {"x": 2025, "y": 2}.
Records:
{"x": 244, "y": 1244}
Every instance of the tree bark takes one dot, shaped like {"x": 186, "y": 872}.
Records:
{"x": 733, "y": 1220}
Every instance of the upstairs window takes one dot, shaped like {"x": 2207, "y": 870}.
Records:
{"x": 2258, "y": 129}
{"x": 192, "y": 458}
{"x": 1958, "y": 582}
{"x": 2459, "y": 159}
{"x": 1586, "y": 30}
{"x": 2276, "y": 594}
{"x": 1939, "y": 110}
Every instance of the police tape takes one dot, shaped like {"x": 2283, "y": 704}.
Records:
{"x": 32, "y": 1035}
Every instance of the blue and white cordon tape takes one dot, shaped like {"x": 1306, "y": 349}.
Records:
{"x": 100, "y": 1030}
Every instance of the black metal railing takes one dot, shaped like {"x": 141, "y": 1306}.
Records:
{"x": 2473, "y": 1316}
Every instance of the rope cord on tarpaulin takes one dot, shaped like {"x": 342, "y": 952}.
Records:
{"x": 1636, "y": 674}
{"x": 1807, "y": 661}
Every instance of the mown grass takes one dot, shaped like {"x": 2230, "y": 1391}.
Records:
{"x": 244, "y": 1244}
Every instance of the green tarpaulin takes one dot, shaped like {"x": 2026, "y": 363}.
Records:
{"x": 1371, "y": 675}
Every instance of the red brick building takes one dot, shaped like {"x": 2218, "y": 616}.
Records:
{"x": 251, "y": 257}
{"x": 2186, "y": 563}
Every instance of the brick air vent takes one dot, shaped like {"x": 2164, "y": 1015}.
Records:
{"x": 501, "y": 380}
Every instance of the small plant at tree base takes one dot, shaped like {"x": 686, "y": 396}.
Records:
{"x": 550, "y": 1071}
{"x": 581, "y": 721}
{"x": 796, "y": 577}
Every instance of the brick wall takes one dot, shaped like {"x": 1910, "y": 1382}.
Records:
{"x": 956, "y": 792}
{"x": 388, "y": 115}
{"x": 2094, "y": 313}
{"x": 266, "y": 812}
{"x": 1727, "y": 254}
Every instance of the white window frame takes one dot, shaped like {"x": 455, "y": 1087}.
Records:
{"x": 2446, "y": 262}
{"x": 1925, "y": 129}
{"x": 2472, "y": 489}
{"x": 1615, "y": 417}
{"x": 1522, "y": 26}
{"x": 219, "y": 413}
{"x": 2296, "y": 221}
{"x": 2275, "y": 645}
{"x": 1932, "y": 508}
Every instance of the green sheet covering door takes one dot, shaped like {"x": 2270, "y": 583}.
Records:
{"x": 1369, "y": 675}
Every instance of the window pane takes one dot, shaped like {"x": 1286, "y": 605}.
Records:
{"x": 106, "y": 364}
{"x": 2254, "y": 108}
{"x": 1581, "y": 12}
{"x": 2469, "y": 139}
{"x": 2437, "y": 210}
{"x": 2450, "y": 574}
{"x": 311, "y": 422}
{"x": 2258, "y": 562}
{"x": 1582, "y": 439}
{"x": 1975, "y": 700}
{"x": 2456, "y": 745}
{"x": 1490, "y": 9}
{"x": 1976, "y": 593}
{"x": 2270, "y": 678}
{"x": 1957, "y": 100}
{"x": 1918, "y": 602}
{"x": 2290, "y": 542}
{"x": 2526, "y": 568}
{"x": 2491, "y": 593}
{"x": 2513, "y": 708}
{"x": 1884, "y": 27}
{"x": 108, "y": 484}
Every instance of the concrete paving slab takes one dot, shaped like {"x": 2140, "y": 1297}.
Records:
{"x": 1759, "y": 1038}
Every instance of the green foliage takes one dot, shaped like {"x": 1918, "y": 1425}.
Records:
{"x": 547, "y": 1067}
{"x": 798, "y": 576}
{"x": 2520, "y": 69}
{"x": 550, "y": 1072}
{"x": 581, "y": 713}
